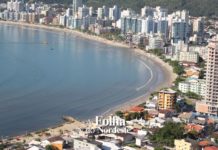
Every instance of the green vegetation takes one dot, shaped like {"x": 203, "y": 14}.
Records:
{"x": 157, "y": 52}
{"x": 166, "y": 135}
{"x": 2, "y": 146}
{"x": 202, "y": 74}
{"x": 196, "y": 7}
{"x": 119, "y": 113}
{"x": 50, "y": 147}
{"x": 177, "y": 68}
{"x": 193, "y": 95}
{"x": 135, "y": 115}
{"x": 179, "y": 79}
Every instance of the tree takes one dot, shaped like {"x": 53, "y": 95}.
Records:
{"x": 178, "y": 80}
{"x": 119, "y": 114}
{"x": 166, "y": 135}
{"x": 193, "y": 95}
{"x": 202, "y": 74}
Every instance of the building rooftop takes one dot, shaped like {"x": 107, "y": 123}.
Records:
{"x": 168, "y": 91}
{"x": 137, "y": 109}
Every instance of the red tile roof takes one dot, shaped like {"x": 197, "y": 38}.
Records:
{"x": 137, "y": 109}
{"x": 195, "y": 127}
{"x": 204, "y": 143}
{"x": 211, "y": 148}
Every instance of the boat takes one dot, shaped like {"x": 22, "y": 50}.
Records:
{"x": 44, "y": 42}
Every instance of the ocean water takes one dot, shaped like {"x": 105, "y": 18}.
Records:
{"x": 45, "y": 75}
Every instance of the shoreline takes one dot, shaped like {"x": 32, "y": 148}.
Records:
{"x": 167, "y": 69}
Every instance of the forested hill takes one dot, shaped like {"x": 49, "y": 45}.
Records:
{"x": 196, "y": 7}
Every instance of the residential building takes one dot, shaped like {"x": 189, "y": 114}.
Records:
{"x": 16, "y": 5}
{"x": 114, "y": 13}
{"x": 179, "y": 30}
{"x": 155, "y": 42}
{"x": 83, "y": 11}
{"x": 147, "y": 11}
{"x": 189, "y": 56}
{"x": 148, "y": 25}
{"x": 84, "y": 144}
{"x": 211, "y": 96}
{"x": 182, "y": 145}
{"x": 162, "y": 27}
{"x": 195, "y": 86}
{"x": 166, "y": 99}
{"x": 76, "y": 5}
{"x": 198, "y": 26}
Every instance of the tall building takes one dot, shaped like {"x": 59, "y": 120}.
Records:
{"x": 69, "y": 12}
{"x": 162, "y": 27}
{"x": 179, "y": 30}
{"x": 147, "y": 11}
{"x": 16, "y": 5}
{"x": 167, "y": 99}
{"x": 210, "y": 103}
{"x": 83, "y": 11}
{"x": 114, "y": 13}
{"x": 148, "y": 25}
{"x": 100, "y": 13}
{"x": 211, "y": 96}
{"x": 76, "y": 5}
{"x": 198, "y": 26}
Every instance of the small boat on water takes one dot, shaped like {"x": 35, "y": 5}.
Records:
{"x": 44, "y": 42}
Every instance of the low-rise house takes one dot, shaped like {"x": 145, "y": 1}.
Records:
{"x": 182, "y": 145}
{"x": 204, "y": 143}
{"x": 155, "y": 122}
{"x": 110, "y": 145}
{"x": 187, "y": 117}
{"x": 84, "y": 144}
{"x": 149, "y": 146}
{"x": 139, "y": 140}
{"x": 194, "y": 127}
{"x": 153, "y": 113}
{"x": 166, "y": 113}
{"x": 150, "y": 105}
{"x": 57, "y": 142}
{"x": 128, "y": 148}
{"x": 34, "y": 143}
{"x": 36, "y": 148}
{"x": 211, "y": 148}
{"x": 124, "y": 137}
{"x": 136, "y": 109}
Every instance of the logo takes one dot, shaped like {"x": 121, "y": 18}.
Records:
{"x": 111, "y": 124}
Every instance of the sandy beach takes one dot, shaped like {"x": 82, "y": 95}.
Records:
{"x": 168, "y": 73}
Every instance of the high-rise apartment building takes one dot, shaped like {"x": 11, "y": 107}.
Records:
{"x": 211, "y": 96}
{"x": 167, "y": 99}
{"x": 210, "y": 103}
{"x": 76, "y": 5}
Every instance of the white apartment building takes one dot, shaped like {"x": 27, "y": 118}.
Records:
{"x": 195, "y": 86}
{"x": 155, "y": 42}
{"x": 188, "y": 57}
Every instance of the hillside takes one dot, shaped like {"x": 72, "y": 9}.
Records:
{"x": 196, "y": 7}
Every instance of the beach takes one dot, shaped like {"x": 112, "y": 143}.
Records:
{"x": 142, "y": 54}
